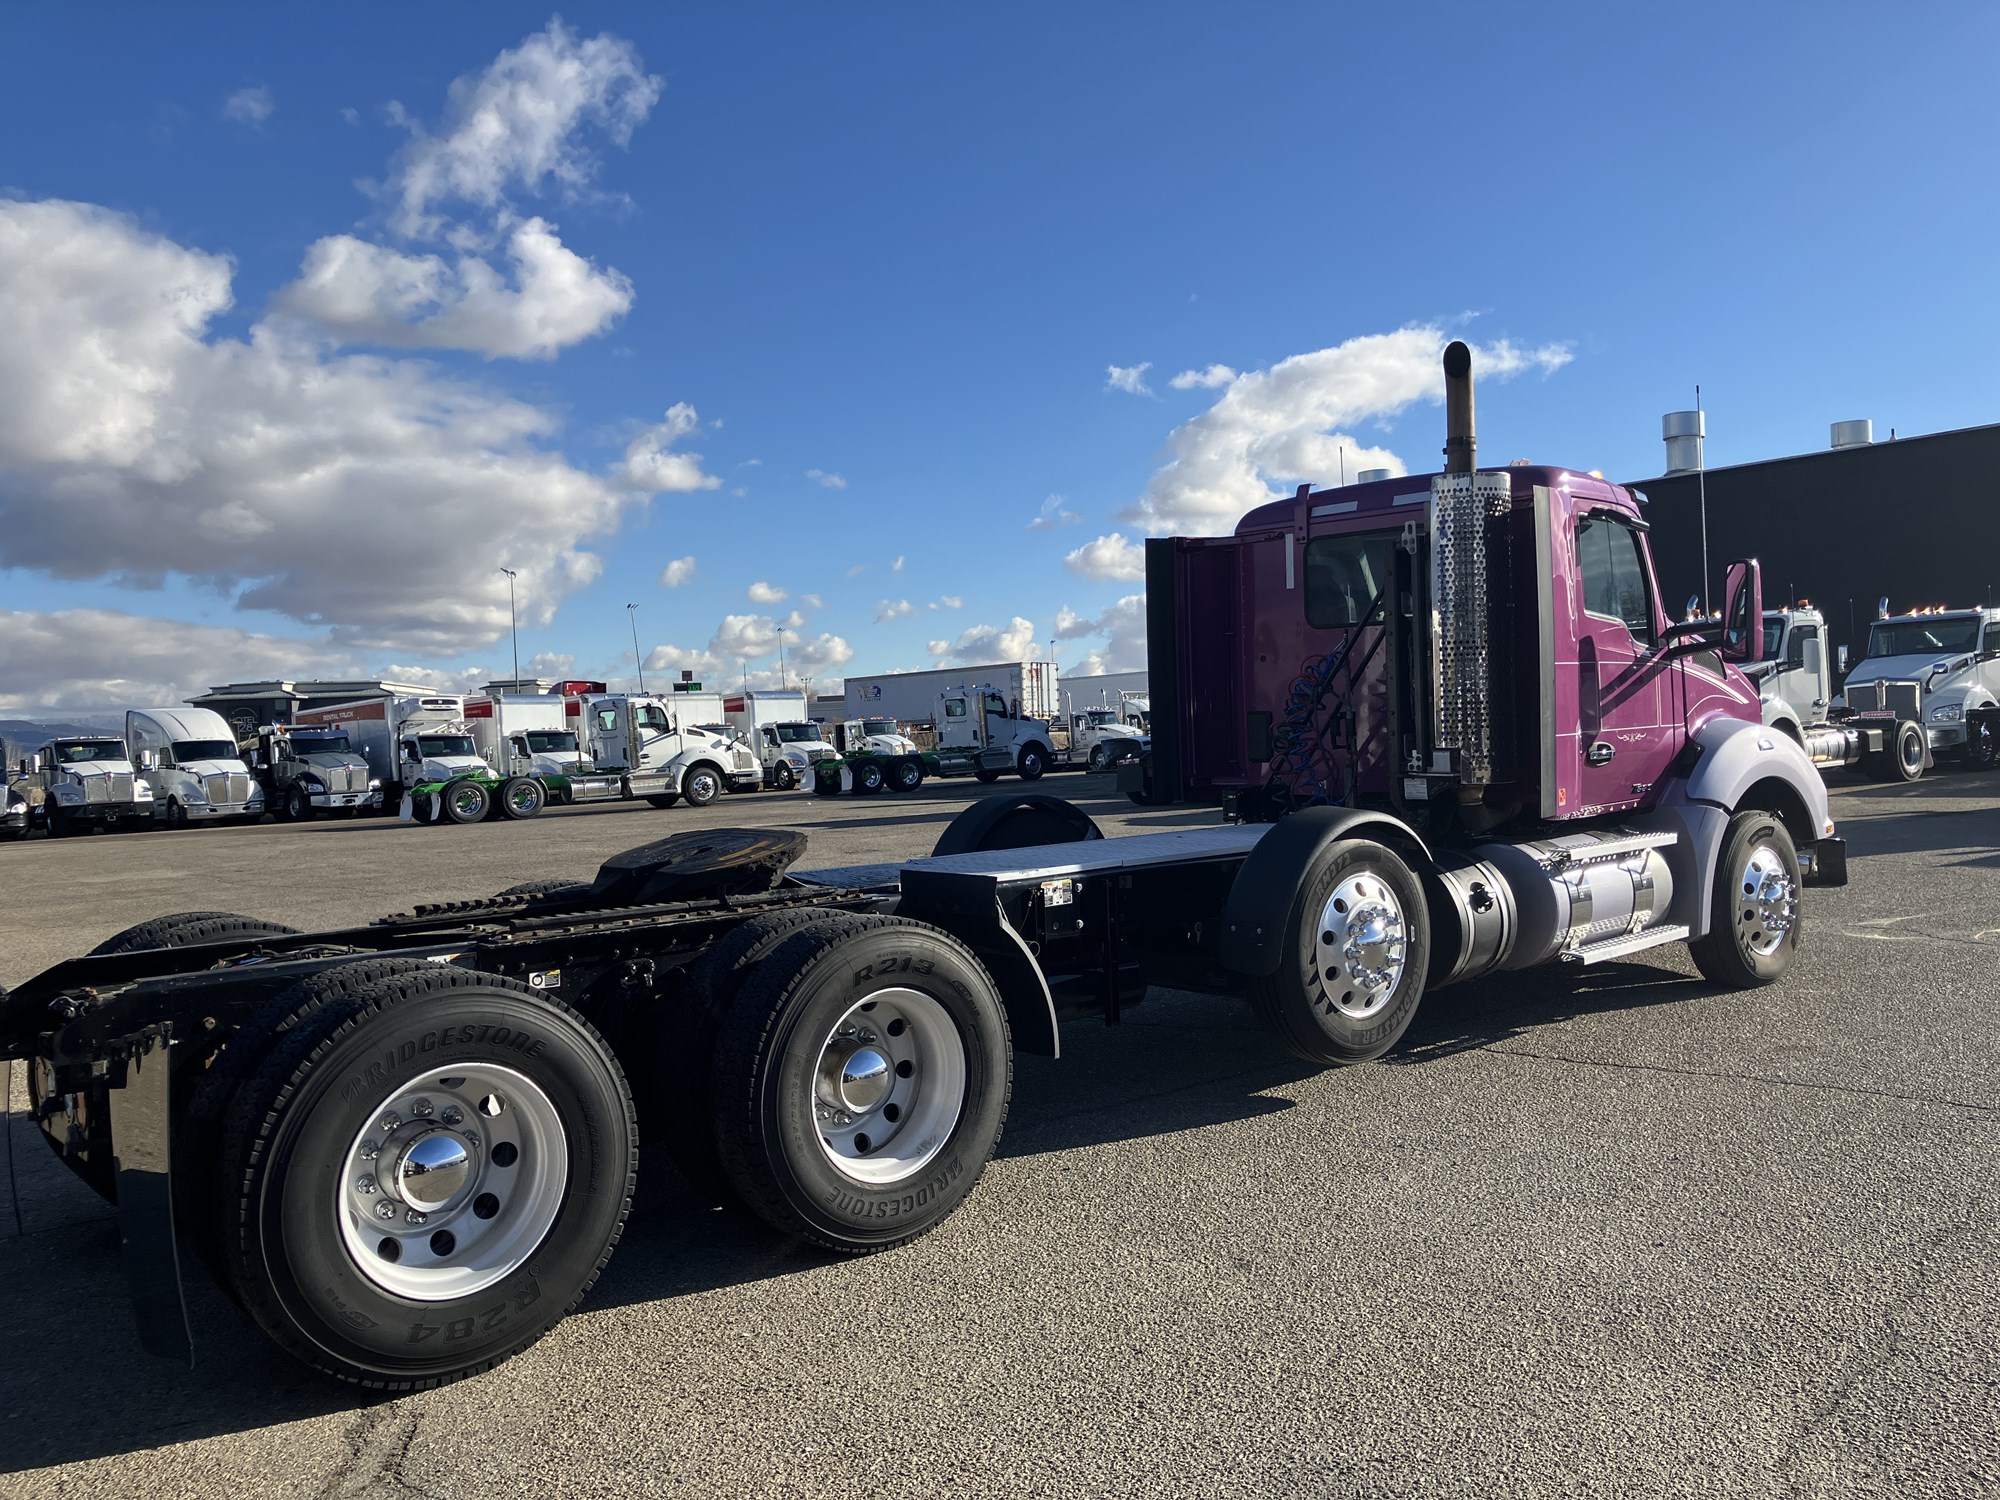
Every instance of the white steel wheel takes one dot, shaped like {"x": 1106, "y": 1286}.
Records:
{"x": 889, "y": 1086}
{"x": 453, "y": 1183}
{"x": 1363, "y": 941}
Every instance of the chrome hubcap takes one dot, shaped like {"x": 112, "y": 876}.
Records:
{"x": 889, "y": 1086}
{"x": 1768, "y": 904}
{"x": 1359, "y": 952}
{"x": 453, "y": 1182}
{"x": 466, "y": 798}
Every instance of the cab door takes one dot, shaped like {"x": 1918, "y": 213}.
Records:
{"x": 1629, "y": 729}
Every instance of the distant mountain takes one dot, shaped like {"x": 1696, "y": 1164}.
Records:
{"x": 41, "y": 731}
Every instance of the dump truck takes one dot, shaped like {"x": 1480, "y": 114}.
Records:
{"x": 308, "y": 769}
{"x": 1461, "y": 738}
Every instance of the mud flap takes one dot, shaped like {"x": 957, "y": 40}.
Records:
{"x": 141, "y": 1135}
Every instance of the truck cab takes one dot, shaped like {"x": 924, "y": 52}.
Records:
{"x": 874, "y": 736}
{"x": 1106, "y": 736}
{"x": 84, "y": 782}
{"x": 641, "y": 738}
{"x": 1952, "y": 656}
{"x": 788, "y": 752}
{"x": 980, "y": 731}
{"x": 1793, "y": 676}
{"x": 309, "y": 769}
{"x": 190, "y": 761}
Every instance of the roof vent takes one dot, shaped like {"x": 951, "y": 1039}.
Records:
{"x": 1684, "y": 431}
{"x": 1853, "y": 434}
{"x": 1369, "y": 476}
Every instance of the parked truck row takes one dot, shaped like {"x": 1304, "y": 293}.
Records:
{"x": 1462, "y": 738}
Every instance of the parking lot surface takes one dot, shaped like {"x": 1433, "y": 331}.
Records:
{"x": 1597, "y": 1232}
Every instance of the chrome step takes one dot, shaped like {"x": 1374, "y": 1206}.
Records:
{"x": 1619, "y": 947}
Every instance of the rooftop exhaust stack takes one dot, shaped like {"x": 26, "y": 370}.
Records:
{"x": 1684, "y": 432}
{"x": 1853, "y": 434}
{"x": 1369, "y": 476}
{"x": 1460, "y": 447}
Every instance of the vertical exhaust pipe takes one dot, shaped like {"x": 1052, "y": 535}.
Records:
{"x": 1460, "y": 446}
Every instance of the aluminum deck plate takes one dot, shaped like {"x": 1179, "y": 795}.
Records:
{"x": 1053, "y": 861}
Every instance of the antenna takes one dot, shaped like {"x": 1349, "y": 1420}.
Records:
{"x": 632, "y": 614}
{"x": 514, "y": 624}
{"x": 1701, "y": 487}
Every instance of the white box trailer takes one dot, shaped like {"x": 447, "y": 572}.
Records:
{"x": 1029, "y": 687}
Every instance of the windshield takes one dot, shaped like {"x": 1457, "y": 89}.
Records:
{"x": 797, "y": 734}
{"x": 550, "y": 741}
{"x": 1099, "y": 717}
{"x": 187, "y": 750}
{"x": 78, "y": 751}
{"x": 879, "y": 726}
{"x": 319, "y": 744}
{"x": 1774, "y": 635}
{"x": 445, "y": 744}
{"x": 1923, "y": 637}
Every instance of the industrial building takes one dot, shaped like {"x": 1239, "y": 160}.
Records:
{"x": 1912, "y": 518}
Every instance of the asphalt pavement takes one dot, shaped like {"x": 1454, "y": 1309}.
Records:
{"x": 1583, "y": 1233}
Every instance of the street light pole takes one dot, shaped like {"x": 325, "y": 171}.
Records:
{"x": 514, "y": 622}
{"x": 781, "y": 657}
{"x": 632, "y": 614}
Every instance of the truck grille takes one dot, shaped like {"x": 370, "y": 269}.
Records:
{"x": 107, "y": 789}
{"x": 814, "y": 757}
{"x": 232, "y": 787}
{"x": 345, "y": 779}
{"x": 1885, "y": 697}
{"x": 1865, "y": 698}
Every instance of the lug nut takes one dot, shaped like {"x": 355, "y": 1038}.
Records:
{"x": 415, "y": 1216}
{"x": 369, "y": 1151}
{"x": 364, "y": 1185}
{"x": 421, "y": 1109}
{"x": 392, "y": 1121}
{"x": 451, "y": 1114}
{"x": 385, "y": 1210}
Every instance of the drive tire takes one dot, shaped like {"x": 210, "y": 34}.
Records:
{"x": 686, "y": 1063}
{"x": 522, "y": 797}
{"x": 1320, "y": 1013}
{"x": 768, "y": 1060}
{"x": 1032, "y": 762}
{"x": 466, "y": 801}
{"x": 1737, "y": 952}
{"x": 290, "y": 1134}
{"x": 702, "y": 784}
{"x": 868, "y": 777}
{"x": 906, "y": 773}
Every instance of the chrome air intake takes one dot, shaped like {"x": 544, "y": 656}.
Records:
{"x": 1463, "y": 509}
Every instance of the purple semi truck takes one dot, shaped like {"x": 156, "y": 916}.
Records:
{"x": 1451, "y": 731}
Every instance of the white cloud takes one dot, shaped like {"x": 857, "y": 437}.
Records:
{"x": 373, "y": 497}
{"x": 1284, "y": 424}
{"x": 678, "y": 572}
{"x": 649, "y": 466}
{"x": 1208, "y": 380}
{"x": 351, "y": 115}
{"x": 549, "y": 298}
{"x": 1114, "y": 555}
{"x": 761, "y": 592}
{"x": 897, "y": 565}
{"x": 1053, "y": 514}
{"x": 521, "y": 124}
{"x": 1128, "y": 378}
{"x": 893, "y": 609}
{"x": 98, "y": 660}
{"x": 812, "y": 601}
{"x": 857, "y": 570}
{"x": 985, "y": 644}
{"x": 250, "y": 105}
{"x": 742, "y": 639}
{"x": 831, "y": 481}
{"x": 1123, "y": 628}
{"x": 952, "y": 601}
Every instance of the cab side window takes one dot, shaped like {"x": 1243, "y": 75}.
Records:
{"x": 650, "y": 716}
{"x": 1613, "y": 571}
{"x": 607, "y": 721}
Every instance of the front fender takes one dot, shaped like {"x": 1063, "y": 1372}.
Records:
{"x": 1255, "y": 918}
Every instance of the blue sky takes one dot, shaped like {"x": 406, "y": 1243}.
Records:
{"x": 905, "y": 247}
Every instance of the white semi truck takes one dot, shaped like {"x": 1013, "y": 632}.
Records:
{"x": 656, "y": 748}
{"x": 77, "y": 783}
{"x": 779, "y": 732}
{"x": 190, "y": 762}
{"x": 1105, "y": 736}
{"x": 979, "y": 732}
{"x": 1029, "y": 689}
{"x": 1938, "y": 668}
{"x": 419, "y": 748}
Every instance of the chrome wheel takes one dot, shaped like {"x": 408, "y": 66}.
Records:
{"x": 1363, "y": 937}
{"x": 468, "y": 800}
{"x": 1769, "y": 901}
{"x": 889, "y": 1086}
{"x": 453, "y": 1182}
{"x": 524, "y": 797}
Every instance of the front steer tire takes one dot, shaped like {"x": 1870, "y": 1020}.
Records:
{"x": 294, "y": 1256}
{"x": 1753, "y": 910}
{"x": 905, "y": 1158}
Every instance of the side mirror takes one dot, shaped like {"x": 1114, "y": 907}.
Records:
{"x": 1742, "y": 610}
{"x": 147, "y": 761}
